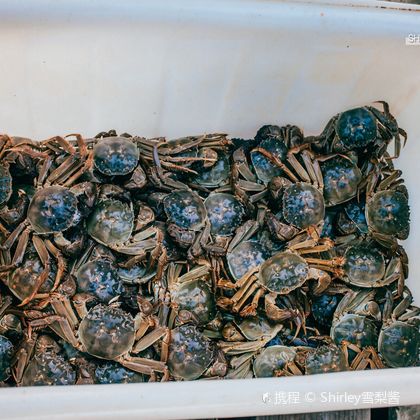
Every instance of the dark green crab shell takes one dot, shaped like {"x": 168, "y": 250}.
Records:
{"x": 114, "y": 373}
{"x": 6, "y": 354}
{"x": 356, "y": 128}
{"x": 190, "y": 353}
{"x": 225, "y": 213}
{"x": 115, "y": 156}
{"x": 196, "y": 297}
{"x": 5, "y": 184}
{"x": 283, "y": 272}
{"x": 216, "y": 175}
{"x": 364, "y": 266}
{"x": 53, "y": 209}
{"x": 326, "y": 359}
{"x": 107, "y": 332}
{"x": 303, "y": 205}
{"x": 399, "y": 344}
{"x": 244, "y": 257}
{"x": 111, "y": 223}
{"x": 271, "y": 359}
{"x": 388, "y": 213}
{"x": 49, "y": 368}
{"x": 264, "y": 168}
{"x": 356, "y": 329}
{"x": 186, "y": 209}
{"x": 341, "y": 179}
{"x": 99, "y": 278}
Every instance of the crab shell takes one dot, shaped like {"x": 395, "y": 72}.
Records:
{"x": 196, "y": 297}
{"x": 341, "y": 179}
{"x": 388, "y": 212}
{"x": 115, "y": 156}
{"x": 283, "y": 272}
{"x": 5, "y": 184}
{"x": 53, "y": 209}
{"x": 107, "y": 332}
{"x": 6, "y": 354}
{"x": 303, "y": 205}
{"x": 326, "y": 359}
{"x": 356, "y": 128}
{"x": 111, "y": 222}
{"x": 356, "y": 329}
{"x": 190, "y": 353}
{"x": 48, "y": 368}
{"x": 271, "y": 359}
{"x": 399, "y": 344}
{"x": 114, "y": 373}
{"x": 244, "y": 257}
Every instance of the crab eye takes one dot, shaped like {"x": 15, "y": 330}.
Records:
{"x": 52, "y": 209}
{"x": 115, "y": 156}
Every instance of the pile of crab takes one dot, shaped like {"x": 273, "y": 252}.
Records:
{"x": 125, "y": 259}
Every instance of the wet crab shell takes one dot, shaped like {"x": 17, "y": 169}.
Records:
{"x": 23, "y": 280}
{"x": 303, "y": 205}
{"x": 272, "y": 359}
{"x": 107, "y": 332}
{"x": 215, "y": 176}
{"x": 6, "y": 355}
{"x": 326, "y": 359}
{"x": 364, "y": 266}
{"x": 323, "y": 308}
{"x": 5, "y": 184}
{"x": 190, "y": 353}
{"x": 399, "y": 344}
{"x": 99, "y": 278}
{"x": 264, "y": 168}
{"x": 356, "y": 329}
{"x": 256, "y": 328}
{"x": 356, "y": 128}
{"x": 388, "y": 213}
{"x": 111, "y": 222}
{"x": 114, "y": 373}
{"x": 341, "y": 179}
{"x": 225, "y": 213}
{"x": 283, "y": 272}
{"x": 115, "y": 156}
{"x": 53, "y": 209}
{"x": 48, "y": 368}
{"x": 244, "y": 257}
{"x": 185, "y": 209}
{"x": 196, "y": 297}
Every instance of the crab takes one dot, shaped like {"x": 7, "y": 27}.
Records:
{"x": 216, "y": 175}
{"x": 387, "y": 208}
{"x": 341, "y": 179}
{"x": 6, "y": 355}
{"x": 111, "y": 223}
{"x": 326, "y": 358}
{"x": 186, "y": 215}
{"x": 98, "y": 276}
{"x": 361, "y": 129}
{"x": 279, "y": 275}
{"x": 192, "y": 355}
{"x": 354, "y": 323}
{"x": 399, "y": 338}
{"x": 47, "y": 366}
{"x": 113, "y": 373}
{"x": 192, "y": 299}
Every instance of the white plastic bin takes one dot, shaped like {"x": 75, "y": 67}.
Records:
{"x": 184, "y": 67}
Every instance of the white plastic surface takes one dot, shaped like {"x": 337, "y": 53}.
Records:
{"x": 184, "y": 67}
